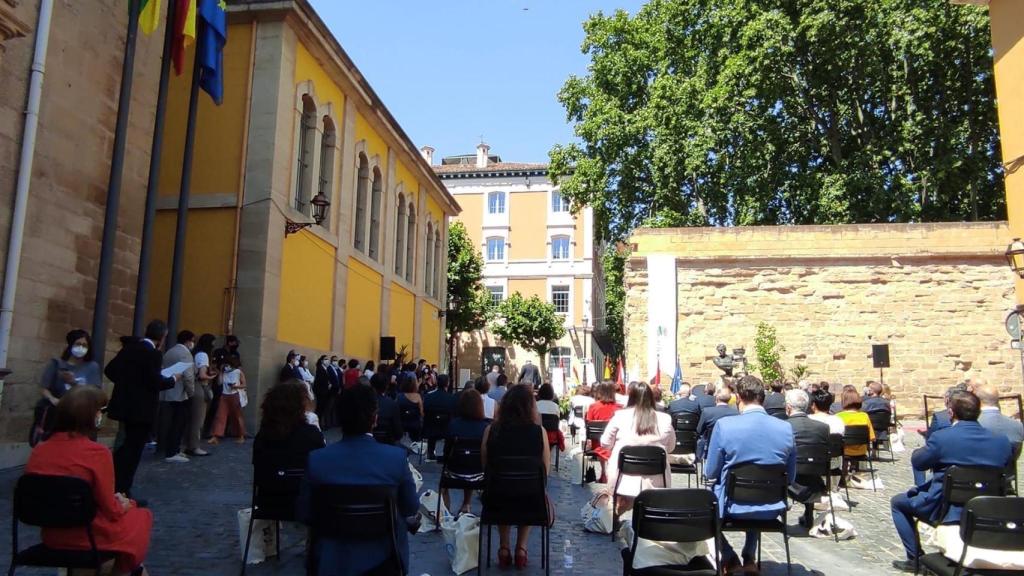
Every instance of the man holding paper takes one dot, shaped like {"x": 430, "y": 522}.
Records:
{"x": 176, "y": 402}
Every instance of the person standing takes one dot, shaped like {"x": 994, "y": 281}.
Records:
{"x": 205, "y": 378}
{"x": 530, "y": 374}
{"x": 290, "y": 370}
{"x": 352, "y": 374}
{"x": 135, "y": 372}
{"x": 306, "y": 375}
{"x": 175, "y": 403}
{"x": 232, "y": 381}
{"x": 74, "y": 367}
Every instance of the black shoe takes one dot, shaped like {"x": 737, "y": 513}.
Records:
{"x": 905, "y": 565}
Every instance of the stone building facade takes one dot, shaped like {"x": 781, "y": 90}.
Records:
{"x": 937, "y": 294}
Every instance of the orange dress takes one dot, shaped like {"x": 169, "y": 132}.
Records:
{"x": 125, "y": 532}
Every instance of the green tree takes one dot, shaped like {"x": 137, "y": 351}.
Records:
{"x": 530, "y": 323}
{"x": 469, "y": 305}
{"x": 768, "y": 352}
{"x": 741, "y": 112}
{"x": 613, "y": 263}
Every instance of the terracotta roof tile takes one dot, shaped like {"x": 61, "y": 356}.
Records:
{"x": 494, "y": 167}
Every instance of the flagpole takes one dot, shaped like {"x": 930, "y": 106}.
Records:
{"x": 103, "y": 276}
{"x": 153, "y": 185}
{"x": 178, "y": 263}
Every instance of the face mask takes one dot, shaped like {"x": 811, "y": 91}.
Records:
{"x": 79, "y": 351}
{"x": 228, "y": 369}
{"x": 295, "y": 363}
{"x": 190, "y": 345}
{"x": 99, "y": 421}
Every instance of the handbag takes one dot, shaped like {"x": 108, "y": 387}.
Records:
{"x": 243, "y": 398}
{"x": 264, "y": 537}
{"x": 597, "y": 514}
{"x": 461, "y": 541}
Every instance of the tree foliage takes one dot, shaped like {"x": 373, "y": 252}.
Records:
{"x": 740, "y": 112}
{"x": 529, "y": 322}
{"x": 468, "y": 302}
{"x": 613, "y": 264}
{"x": 768, "y": 352}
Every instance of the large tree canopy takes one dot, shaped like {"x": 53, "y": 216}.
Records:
{"x": 735, "y": 112}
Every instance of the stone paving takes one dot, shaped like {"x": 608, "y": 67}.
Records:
{"x": 196, "y": 531}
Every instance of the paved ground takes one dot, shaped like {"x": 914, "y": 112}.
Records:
{"x": 196, "y": 531}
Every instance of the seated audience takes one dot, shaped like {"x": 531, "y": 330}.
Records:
{"x": 516, "y": 432}
{"x": 546, "y": 400}
{"x": 686, "y": 402}
{"x": 286, "y": 435}
{"x": 498, "y": 387}
{"x": 440, "y": 401}
{"x": 992, "y": 420}
{"x": 775, "y": 400}
{"x": 966, "y": 443}
{"x": 709, "y": 416}
{"x": 410, "y": 404}
{"x": 753, "y": 436}
{"x": 874, "y": 402}
{"x": 837, "y": 405}
{"x": 638, "y": 424}
{"x": 602, "y": 410}
{"x": 705, "y": 393}
{"x": 852, "y": 415}
{"x": 469, "y": 423}
{"x": 806, "y": 432}
{"x": 490, "y": 404}
{"x": 581, "y": 398}
{"x": 820, "y": 402}
{"x": 120, "y": 526}
{"x": 379, "y": 465}
{"x": 389, "y": 419}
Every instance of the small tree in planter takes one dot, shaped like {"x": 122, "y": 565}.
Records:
{"x": 768, "y": 352}
{"x": 529, "y": 322}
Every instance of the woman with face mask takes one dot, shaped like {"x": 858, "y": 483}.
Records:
{"x": 74, "y": 367}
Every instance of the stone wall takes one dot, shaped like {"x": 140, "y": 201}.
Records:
{"x": 937, "y": 294}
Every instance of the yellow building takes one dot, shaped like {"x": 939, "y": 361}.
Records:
{"x": 531, "y": 244}
{"x": 299, "y": 119}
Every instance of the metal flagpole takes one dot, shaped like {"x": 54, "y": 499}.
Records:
{"x": 178, "y": 264}
{"x": 153, "y": 186}
{"x": 102, "y": 304}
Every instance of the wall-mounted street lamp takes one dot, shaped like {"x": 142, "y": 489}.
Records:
{"x": 320, "y": 205}
{"x": 1015, "y": 257}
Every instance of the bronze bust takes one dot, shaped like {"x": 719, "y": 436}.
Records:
{"x": 723, "y": 361}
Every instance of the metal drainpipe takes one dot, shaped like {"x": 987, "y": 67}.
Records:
{"x": 28, "y": 149}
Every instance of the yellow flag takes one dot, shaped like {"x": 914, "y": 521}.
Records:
{"x": 149, "y": 18}
{"x": 189, "y": 30}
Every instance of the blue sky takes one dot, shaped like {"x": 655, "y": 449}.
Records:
{"x": 455, "y": 70}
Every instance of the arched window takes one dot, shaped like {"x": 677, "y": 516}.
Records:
{"x": 440, "y": 266}
{"x": 428, "y": 273}
{"x": 559, "y": 247}
{"x": 410, "y": 246}
{"x": 375, "y": 199}
{"x": 304, "y": 167}
{"x": 400, "y": 236}
{"x": 362, "y": 186}
{"x": 327, "y": 145}
{"x": 496, "y": 203}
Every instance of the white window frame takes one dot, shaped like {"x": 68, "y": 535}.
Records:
{"x": 496, "y": 290}
{"x": 558, "y": 238}
{"x": 562, "y": 203}
{"x": 568, "y": 297}
{"x": 568, "y": 357}
{"x": 504, "y": 202}
{"x": 487, "y": 249}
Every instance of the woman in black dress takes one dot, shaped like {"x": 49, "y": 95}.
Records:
{"x": 517, "y": 433}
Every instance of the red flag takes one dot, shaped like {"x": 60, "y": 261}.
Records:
{"x": 657, "y": 372}
{"x": 184, "y": 32}
{"x": 620, "y": 378}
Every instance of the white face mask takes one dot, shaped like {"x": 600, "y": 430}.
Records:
{"x": 79, "y": 351}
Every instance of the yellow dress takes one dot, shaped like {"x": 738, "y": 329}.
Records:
{"x": 857, "y": 418}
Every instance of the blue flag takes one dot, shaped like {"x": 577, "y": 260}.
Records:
{"x": 212, "y": 38}
{"x": 677, "y": 378}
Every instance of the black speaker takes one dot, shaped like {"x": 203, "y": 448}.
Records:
{"x": 880, "y": 355}
{"x": 387, "y": 347}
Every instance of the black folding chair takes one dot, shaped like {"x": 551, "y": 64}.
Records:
{"x": 1011, "y": 471}
{"x": 360, "y": 513}
{"x": 960, "y": 485}
{"x": 462, "y": 469}
{"x": 55, "y": 502}
{"x": 675, "y": 515}
{"x": 686, "y": 444}
{"x": 383, "y": 436}
{"x": 435, "y": 427}
{"x": 758, "y": 484}
{"x": 594, "y": 431}
{"x": 577, "y": 416}
{"x": 835, "y": 452}
{"x": 637, "y": 461}
{"x": 515, "y": 495}
{"x": 881, "y": 421}
{"x": 685, "y": 421}
{"x": 274, "y": 492}
{"x": 815, "y": 460}
{"x": 550, "y": 424}
{"x": 854, "y": 437}
{"x": 990, "y": 522}
{"x": 412, "y": 421}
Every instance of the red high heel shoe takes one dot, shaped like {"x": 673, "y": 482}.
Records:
{"x": 504, "y": 557}
{"x": 521, "y": 558}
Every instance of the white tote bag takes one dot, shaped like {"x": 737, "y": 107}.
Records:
{"x": 264, "y": 537}
{"x": 428, "y": 511}
{"x": 947, "y": 538}
{"x": 597, "y": 514}
{"x": 461, "y": 541}
{"x": 576, "y": 469}
{"x": 417, "y": 478}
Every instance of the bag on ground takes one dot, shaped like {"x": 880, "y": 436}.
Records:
{"x": 823, "y": 527}
{"x": 865, "y": 483}
{"x": 461, "y": 540}
{"x": 838, "y": 502}
{"x": 651, "y": 553}
{"x": 417, "y": 478}
{"x": 597, "y": 514}
{"x": 576, "y": 469}
{"x": 264, "y": 537}
{"x": 947, "y": 538}
{"x": 428, "y": 511}
{"x": 896, "y": 442}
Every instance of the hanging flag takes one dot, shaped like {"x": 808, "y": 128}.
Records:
{"x": 184, "y": 32}
{"x": 677, "y": 379}
{"x": 657, "y": 372}
{"x": 211, "y": 47}
{"x": 607, "y": 368}
{"x": 575, "y": 375}
{"x": 620, "y": 378}
{"x": 149, "y": 17}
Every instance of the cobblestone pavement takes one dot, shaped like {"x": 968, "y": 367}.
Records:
{"x": 196, "y": 530}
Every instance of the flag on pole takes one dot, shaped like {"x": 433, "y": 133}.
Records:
{"x": 657, "y": 372}
{"x": 677, "y": 379}
{"x": 149, "y": 17}
{"x": 575, "y": 375}
{"x": 211, "y": 47}
{"x": 184, "y": 32}
{"x": 620, "y": 378}
{"x": 607, "y": 368}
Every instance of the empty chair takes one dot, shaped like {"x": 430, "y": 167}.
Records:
{"x": 274, "y": 493}
{"x": 594, "y": 431}
{"x": 435, "y": 427}
{"x": 814, "y": 460}
{"x": 990, "y": 522}
{"x": 675, "y": 515}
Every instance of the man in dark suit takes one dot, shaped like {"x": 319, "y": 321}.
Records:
{"x": 775, "y": 401}
{"x": 964, "y": 443}
{"x": 941, "y": 418}
{"x": 389, "y": 417}
{"x": 685, "y": 403}
{"x": 874, "y": 402}
{"x": 135, "y": 372}
{"x": 708, "y": 417}
{"x": 440, "y": 400}
{"x": 705, "y": 395}
{"x": 530, "y": 374}
{"x": 992, "y": 420}
{"x": 806, "y": 432}
{"x": 378, "y": 465}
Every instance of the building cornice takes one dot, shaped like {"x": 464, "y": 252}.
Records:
{"x": 492, "y": 174}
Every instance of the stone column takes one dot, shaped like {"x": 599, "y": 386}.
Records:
{"x": 662, "y": 318}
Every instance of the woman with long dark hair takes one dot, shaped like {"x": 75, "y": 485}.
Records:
{"x": 285, "y": 438}
{"x": 74, "y": 367}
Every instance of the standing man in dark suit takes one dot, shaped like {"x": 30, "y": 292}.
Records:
{"x": 775, "y": 401}
{"x": 708, "y": 417}
{"x": 806, "y": 432}
{"x": 685, "y": 403}
{"x": 135, "y": 372}
{"x": 389, "y": 417}
{"x": 530, "y": 374}
{"x": 963, "y": 443}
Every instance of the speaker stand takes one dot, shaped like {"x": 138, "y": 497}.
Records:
{"x": 881, "y": 375}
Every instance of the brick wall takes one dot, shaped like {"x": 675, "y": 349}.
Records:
{"x": 937, "y": 294}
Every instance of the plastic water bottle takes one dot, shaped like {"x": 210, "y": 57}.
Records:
{"x": 568, "y": 554}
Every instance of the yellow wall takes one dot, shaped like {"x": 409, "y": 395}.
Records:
{"x": 529, "y": 287}
{"x": 219, "y": 129}
{"x": 527, "y": 219}
{"x": 327, "y": 92}
{"x": 402, "y": 321}
{"x": 578, "y": 297}
{"x": 472, "y": 217}
{"x": 307, "y": 291}
{"x": 375, "y": 145}
{"x": 579, "y": 237}
{"x": 430, "y": 334}
{"x": 434, "y": 209}
{"x": 362, "y": 311}
{"x": 411, "y": 186}
{"x": 208, "y": 250}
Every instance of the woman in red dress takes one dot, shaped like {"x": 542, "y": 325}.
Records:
{"x": 602, "y": 410}
{"x": 120, "y": 526}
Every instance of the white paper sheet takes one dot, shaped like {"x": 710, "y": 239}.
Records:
{"x": 175, "y": 369}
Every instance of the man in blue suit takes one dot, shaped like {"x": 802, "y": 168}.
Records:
{"x": 756, "y": 437}
{"x": 964, "y": 443}
{"x": 360, "y": 460}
